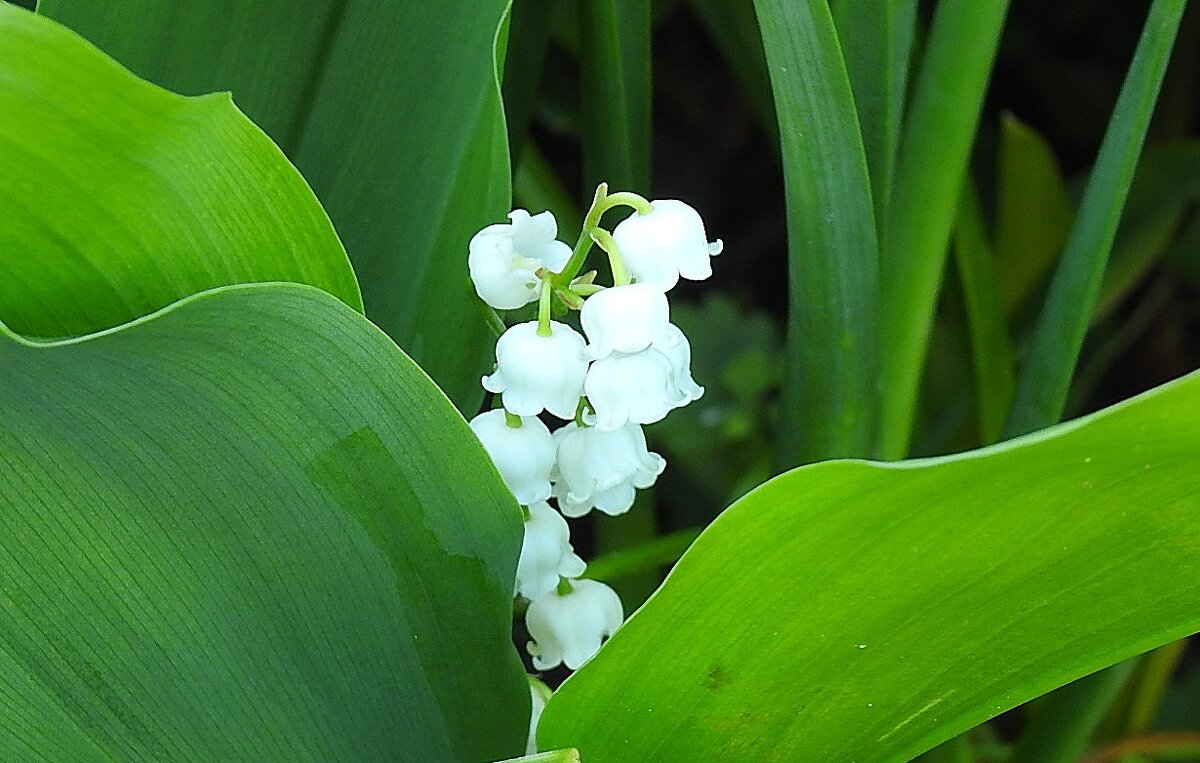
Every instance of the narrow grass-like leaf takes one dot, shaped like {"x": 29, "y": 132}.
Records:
{"x": 936, "y": 140}
{"x": 1165, "y": 185}
{"x": 979, "y": 581}
{"x": 249, "y": 528}
{"x": 876, "y": 39}
{"x": 615, "y": 93}
{"x": 991, "y": 346}
{"x": 392, "y": 111}
{"x": 1063, "y": 321}
{"x": 1033, "y": 212}
{"x": 830, "y": 394}
{"x": 122, "y": 197}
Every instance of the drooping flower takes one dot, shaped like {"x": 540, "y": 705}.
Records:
{"x": 638, "y": 388}
{"x": 523, "y": 455}
{"x": 679, "y": 353}
{"x": 625, "y": 319}
{"x": 546, "y": 553}
{"x": 662, "y": 245}
{"x": 600, "y": 469}
{"x": 536, "y": 373}
{"x": 568, "y": 628}
{"x": 504, "y": 258}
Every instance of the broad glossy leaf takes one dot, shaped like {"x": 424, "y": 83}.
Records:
{"x": 121, "y": 198}
{"x": 392, "y": 111}
{"x": 249, "y": 528}
{"x": 830, "y": 395}
{"x": 859, "y": 611}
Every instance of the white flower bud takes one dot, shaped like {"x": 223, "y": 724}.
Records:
{"x": 523, "y": 455}
{"x": 638, "y": 388}
{"x": 662, "y": 245}
{"x": 569, "y": 628}
{"x": 546, "y": 553}
{"x": 679, "y": 352}
{"x": 536, "y": 373}
{"x": 598, "y": 468}
{"x": 625, "y": 319}
{"x": 504, "y": 257}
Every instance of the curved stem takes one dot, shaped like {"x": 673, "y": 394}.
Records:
{"x": 601, "y": 203}
{"x": 605, "y": 240}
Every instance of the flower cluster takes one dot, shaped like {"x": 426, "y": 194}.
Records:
{"x": 629, "y": 367}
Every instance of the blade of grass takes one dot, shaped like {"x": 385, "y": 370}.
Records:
{"x": 991, "y": 346}
{"x": 615, "y": 58}
{"x": 934, "y": 145}
{"x": 876, "y": 39}
{"x": 830, "y": 393}
{"x": 1057, "y": 339}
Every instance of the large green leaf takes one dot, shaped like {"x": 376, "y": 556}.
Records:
{"x": 832, "y": 386}
{"x": 121, "y": 198}
{"x": 860, "y": 611}
{"x": 249, "y": 528}
{"x": 392, "y": 111}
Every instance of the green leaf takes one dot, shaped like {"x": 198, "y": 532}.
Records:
{"x": 1058, "y": 337}
{"x": 876, "y": 39}
{"x": 934, "y": 145}
{"x": 123, "y": 198}
{"x": 991, "y": 345}
{"x": 860, "y": 611}
{"x": 249, "y": 528}
{"x": 615, "y": 94}
{"x": 830, "y": 394}
{"x": 410, "y": 159}
{"x": 1166, "y": 183}
{"x": 1033, "y": 212}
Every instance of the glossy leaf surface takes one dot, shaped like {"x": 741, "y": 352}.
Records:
{"x": 859, "y": 611}
{"x": 123, "y": 198}
{"x": 391, "y": 111}
{"x": 249, "y": 528}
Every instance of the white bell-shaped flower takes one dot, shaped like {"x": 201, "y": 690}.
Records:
{"x": 625, "y": 319}
{"x": 679, "y": 352}
{"x": 523, "y": 455}
{"x": 638, "y": 388}
{"x": 600, "y": 469}
{"x": 569, "y": 628}
{"x": 660, "y": 246}
{"x": 546, "y": 553}
{"x": 504, "y": 258}
{"x": 536, "y": 373}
